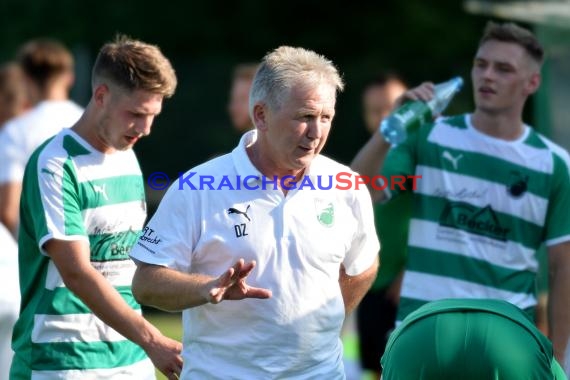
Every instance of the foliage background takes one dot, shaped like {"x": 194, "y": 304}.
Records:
{"x": 422, "y": 40}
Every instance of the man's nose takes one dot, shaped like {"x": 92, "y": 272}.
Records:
{"x": 144, "y": 125}
{"x": 315, "y": 130}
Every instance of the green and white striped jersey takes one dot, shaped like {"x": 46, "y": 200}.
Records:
{"x": 74, "y": 192}
{"x": 481, "y": 209}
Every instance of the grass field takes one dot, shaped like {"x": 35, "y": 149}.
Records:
{"x": 171, "y": 326}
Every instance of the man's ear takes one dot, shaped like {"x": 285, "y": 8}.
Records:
{"x": 533, "y": 83}
{"x": 68, "y": 79}
{"x": 100, "y": 94}
{"x": 260, "y": 116}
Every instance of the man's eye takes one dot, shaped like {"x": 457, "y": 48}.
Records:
{"x": 479, "y": 64}
{"x": 504, "y": 68}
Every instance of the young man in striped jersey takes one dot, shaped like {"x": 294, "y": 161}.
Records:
{"x": 82, "y": 209}
{"x": 492, "y": 190}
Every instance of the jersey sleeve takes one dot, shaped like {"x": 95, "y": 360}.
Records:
{"x": 50, "y": 200}
{"x": 365, "y": 245}
{"x": 558, "y": 217}
{"x": 170, "y": 236}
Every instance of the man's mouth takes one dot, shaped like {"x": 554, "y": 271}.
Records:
{"x": 307, "y": 149}
{"x": 486, "y": 90}
{"x": 132, "y": 139}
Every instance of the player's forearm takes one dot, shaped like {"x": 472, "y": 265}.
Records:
{"x": 370, "y": 159}
{"x": 108, "y": 305}
{"x": 10, "y": 206}
{"x": 72, "y": 261}
{"x": 168, "y": 289}
{"x": 559, "y": 313}
{"x": 558, "y": 302}
{"x": 353, "y": 288}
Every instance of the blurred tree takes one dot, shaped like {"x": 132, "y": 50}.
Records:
{"x": 423, "y": 40}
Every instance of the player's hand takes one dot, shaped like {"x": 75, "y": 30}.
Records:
{"x": 423, "y": 92}
{"x": 165, "y": 355}
{"x": 232, "y": 284}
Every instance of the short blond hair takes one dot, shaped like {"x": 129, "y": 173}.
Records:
{"x": 284, "y": 68}
{"x": 134, "y": 65}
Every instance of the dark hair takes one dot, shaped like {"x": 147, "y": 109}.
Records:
{"x": 510, "y": 32}
{"x": 383, "y": 78}
{"x": 245, "y": 71}
{"x": 13, "y": 95}
{"x": 12, "y": 89}
{"x": 44, "y": 59}
{"x": 135, "y": 65}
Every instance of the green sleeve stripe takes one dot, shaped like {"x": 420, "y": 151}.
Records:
{"x": 73, "y": 221}
{"x": 32, "y": 199}
{"x": 558, "y": 218}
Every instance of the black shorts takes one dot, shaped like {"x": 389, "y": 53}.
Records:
{"x": 375, "y": 319}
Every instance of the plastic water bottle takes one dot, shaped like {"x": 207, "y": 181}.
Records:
{"x": 411, "y": 115}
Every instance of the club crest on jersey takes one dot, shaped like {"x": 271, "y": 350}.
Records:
{"x": 325, "y": 212}
{"x": 518, "y": 185}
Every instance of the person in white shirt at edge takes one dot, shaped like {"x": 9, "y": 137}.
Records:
{"x": 13, "y": 102}
{"x": 298, "y": 259}
{"x": 47, "y": 66}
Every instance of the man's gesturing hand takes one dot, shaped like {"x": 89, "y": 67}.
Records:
{"x": 232, "y": 286}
